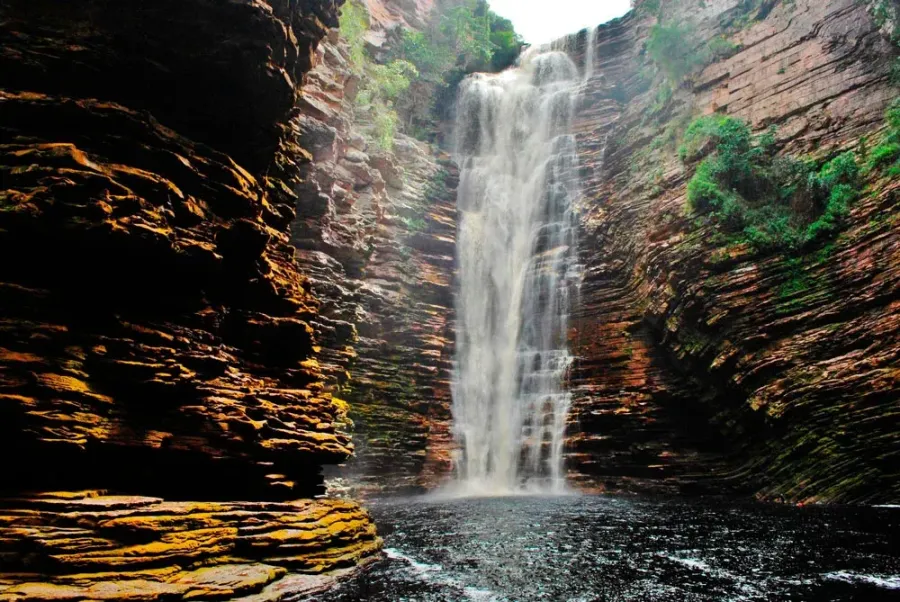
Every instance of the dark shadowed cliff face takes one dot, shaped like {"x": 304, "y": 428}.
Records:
{"x": 158, "y": 337}
{"x": 710, "y": 365}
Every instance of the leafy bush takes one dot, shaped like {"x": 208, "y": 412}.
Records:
{"x": 670, "y": 48}
{"x": 464, "y": 39}
{"x": 382, "y": 85}
{"x": 720, "y": 47}
{"x": 887, "y": 153}
{"x": 354, "y": 23}
{"x": 393, "y": 79}
{"x": 715, "y": 132}
{"x": 759, "y": 197}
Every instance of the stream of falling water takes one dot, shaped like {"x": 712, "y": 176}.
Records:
{"x": 517, "y": 265}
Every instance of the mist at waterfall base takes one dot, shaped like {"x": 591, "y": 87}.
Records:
{"x": 597, "y": 548}
{"x": 517, "y": 268}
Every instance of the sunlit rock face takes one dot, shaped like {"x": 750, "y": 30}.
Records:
{"x": 158, "y": 337}
{"x": 699, "y": 366}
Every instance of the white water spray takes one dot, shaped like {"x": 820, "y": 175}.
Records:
{"x": 517, "y": 265}
{"x": 590, "y": 43}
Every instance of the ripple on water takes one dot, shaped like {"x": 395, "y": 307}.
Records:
{"x": 591, "y": 549}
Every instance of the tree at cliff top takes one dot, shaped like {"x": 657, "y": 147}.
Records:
{"x": 463, "y": 38}
{"x": 418, "y": 82}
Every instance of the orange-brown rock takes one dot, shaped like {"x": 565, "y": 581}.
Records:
{"x": 713, "y": 367}
{"x": 102, "y": 547}
{"x": 158, "y": 337}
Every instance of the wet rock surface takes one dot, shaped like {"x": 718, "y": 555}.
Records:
{"x": 102, "y": 547}
{"x": 379, "y": 246}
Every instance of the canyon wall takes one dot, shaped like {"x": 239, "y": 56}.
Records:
{"x": 213, "y": 276}
{"x": 708, "y": 366}
{"x": 702, "y": 366}
{"x": 379, "y": 247}
{"x": 162, "y": 352}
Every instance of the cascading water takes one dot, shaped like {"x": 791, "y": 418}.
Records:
{"x": 517, "y": 265}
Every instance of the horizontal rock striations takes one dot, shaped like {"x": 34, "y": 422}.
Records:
{"x": 102, "y": 547}
{"x": 158, "y": 337}
{"x": 379, "y": 246}
{"x": 705, "y": 366}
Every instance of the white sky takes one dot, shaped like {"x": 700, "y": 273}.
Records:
{"x": 540, "y": 21}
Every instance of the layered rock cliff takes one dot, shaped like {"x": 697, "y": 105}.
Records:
{"x": 213, "y": 276}
{"x": 713, "y": 366}
{"x": 161, "y": 352}
{"x": 379, "y": 246}
{"x": 703, "y": 365}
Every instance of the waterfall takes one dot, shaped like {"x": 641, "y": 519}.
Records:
{"x": 517, "y": 264}
{"x": 590, "y": 43}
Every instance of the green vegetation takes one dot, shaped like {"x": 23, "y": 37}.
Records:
{"x": 436, "y": 185}
{"x": 425, "y": 65}
{"x": 670, "y": 48}
{"x": 721, "y": 47}
{"x": 464, "y": 39}
{"x": 761, "y": 198}
{"x": 886, "y": 155}
{"x": 381, "y": 84}
{"x": 400, "y": 93}
{"x": 414, "y": 224}
{"x": 887, "y": 16}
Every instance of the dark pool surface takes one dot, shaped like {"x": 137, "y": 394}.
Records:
{"x": 604, "y": 548}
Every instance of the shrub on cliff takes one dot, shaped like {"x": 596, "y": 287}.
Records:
{"x": 463, "y": 39}
{"x": 759, "y": 197}
{"x": 671, "y": 49}
{"x": 381, "y": 85}
{"x": 886, "y": 155}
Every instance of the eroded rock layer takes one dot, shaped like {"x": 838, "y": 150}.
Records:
{"x": 711, "y": 366}
{"x": 158, "y": 336}
{"x": 101, "y": 547}
{"x": 379, "y": 246}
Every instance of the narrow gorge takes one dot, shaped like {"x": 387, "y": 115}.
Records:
{"x": 630, "y": 298}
